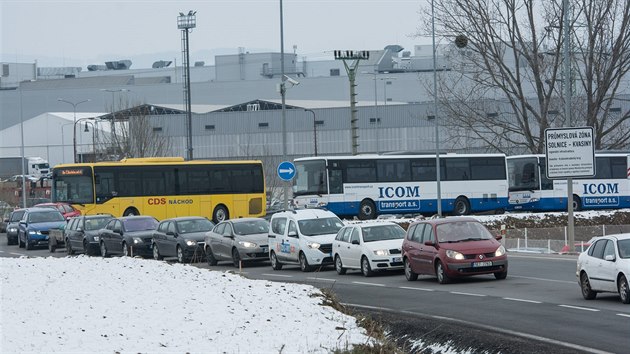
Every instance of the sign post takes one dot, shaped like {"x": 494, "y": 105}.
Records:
{"x": 570, "y": 153}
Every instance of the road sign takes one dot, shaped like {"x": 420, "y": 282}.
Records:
{"x": 286, "y": 170}
{"x": 570, "y": 152}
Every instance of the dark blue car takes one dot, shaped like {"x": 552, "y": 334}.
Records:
{"x": 36, "y": 224}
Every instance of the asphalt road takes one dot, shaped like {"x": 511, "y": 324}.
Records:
{"x": 540, "y": 301}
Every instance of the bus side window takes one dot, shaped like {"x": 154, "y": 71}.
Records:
{"x": 336, "y": 182}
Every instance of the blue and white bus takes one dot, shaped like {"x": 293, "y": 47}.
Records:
{"x": 370, "y": 185}
{"x": 531, "y": 190}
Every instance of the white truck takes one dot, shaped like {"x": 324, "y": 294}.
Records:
{"x": 35, "y": 167}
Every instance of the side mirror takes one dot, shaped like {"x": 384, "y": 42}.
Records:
{"x": 80, "y": 229}
{"x": 228, "y": 236}
{"x": 355, "y": 242}
{"x": 610, "y": 257}
{"x": 498, "y": 237}
{"x": 117, "y": 231}
{"x": 429, "y": 243}
{"x": 170, "y": 233}
{"x": 6, "y": 220}
{"x": 293, "y": 234}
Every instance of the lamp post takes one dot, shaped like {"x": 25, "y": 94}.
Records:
{"x": 74, "y": 129}
{"x": 86, "y": 130}
{"x": 63, "y": 142}
{"x": 314, "y": 129}
{"x": 187, "y": 22}
{"x": 435, "y": 114}
{"x": 74, "y": 132}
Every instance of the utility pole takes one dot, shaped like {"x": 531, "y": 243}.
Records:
{"x": 187, "y": 22}
{"x": 351, "y": 70}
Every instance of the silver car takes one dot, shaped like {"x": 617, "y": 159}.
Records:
{"x": 239, "y": 241}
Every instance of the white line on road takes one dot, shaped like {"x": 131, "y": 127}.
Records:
{"x": 17, "y": 254}
{"x": 324, "y": 279}
{"x": 277, "y": 275}
{"x": 623, "y": 315}
{"x": 579, "y": 308}
{"x": 410, "y": 288}
{"x": 522, "y": 300}
{"x": 569, "y": 258}
{"x": 362, "y": 283}
{"x": 468, "y": 294}
{"x": 543, "y": 279}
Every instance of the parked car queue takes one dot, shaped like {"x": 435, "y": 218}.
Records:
{"x": 447, "y": 248}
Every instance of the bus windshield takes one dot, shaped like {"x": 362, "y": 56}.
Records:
{"x": 310, "y": 178}
{"x": 523, "y": 174}
{"x": 73, "y": 186}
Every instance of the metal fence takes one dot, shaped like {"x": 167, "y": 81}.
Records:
{"x": 554, "y": 239}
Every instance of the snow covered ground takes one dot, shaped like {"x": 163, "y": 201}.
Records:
{"x": 128, "y": 305}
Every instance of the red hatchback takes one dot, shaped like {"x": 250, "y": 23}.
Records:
{"x": 65, "y": 209}
{"x": 452, "y": 247}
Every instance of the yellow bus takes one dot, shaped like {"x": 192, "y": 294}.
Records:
{"x": 163, "y": 187}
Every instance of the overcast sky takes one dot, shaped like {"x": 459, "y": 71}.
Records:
{"x": 83, "y": 32}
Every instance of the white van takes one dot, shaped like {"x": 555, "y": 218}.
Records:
{"x": 302, "y": 237}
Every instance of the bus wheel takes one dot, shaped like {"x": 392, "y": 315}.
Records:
{"x": 462, "y": 206}
{"x": 577, "y": 204}
{"x": 367, "y": 210}
{"x": 131, "y": 212}
{"x": 219, "y": 214}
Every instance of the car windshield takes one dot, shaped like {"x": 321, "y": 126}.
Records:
{"x": 384, "y": 232}
{"x": 624, "y": 248}
{"x": 17, "y": 215}
{"x": 322, "y": 226}
{"x": 251, "y": 227}
{"x": 140, "y": 224}
{"x": 96, "y": 223}
{"x": 194, "y": 225}
{"x": 45, "y": 216}
{"x": 461, "y": 231}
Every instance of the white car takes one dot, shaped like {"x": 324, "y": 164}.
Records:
{"x": 370, "y": 247}
{"x": 605, "y": 267}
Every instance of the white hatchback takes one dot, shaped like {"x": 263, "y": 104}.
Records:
{"x": 370, "y": 247}
{"x": 605, "y": 267}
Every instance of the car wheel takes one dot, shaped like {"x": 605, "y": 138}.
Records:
{"x": 339, "y": 266}
{"x": 365, "y": 267}
{"x": 585, "y": 285}
{"x": 86, "y": 248}
{"x": 219, "y": 214}
{"x": 500, "y": 275}
{"x": 210, "y": 257}
{"x": 367, "y": 210}
{"x": 409, "y": 274}
{"x": 275, "y": 263}
{"x": 236, "y": 258}
{"x": 156, "y": 253}
{"x": 624, "y": 290}
{"x": 104, "y": 250}
{"x": 125, "y": 250}
{"x": 304, "y": 266}
{"x": 181, "y": 257}
{"x": 461, "y": 207}
{"x": 441, "y": 274}
{"x": 27, "y": 244}
{"x": 20, "y": 243}
{"x": 69, "y": 249}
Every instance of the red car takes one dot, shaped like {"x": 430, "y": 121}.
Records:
{"x": 452, "y": 247}
{"x": 65, "y": 209}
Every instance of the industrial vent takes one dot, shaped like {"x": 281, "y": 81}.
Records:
{"x": 200, "y": 63}
{"x": 161, "y": 64}
{"x": 118, "y": 65}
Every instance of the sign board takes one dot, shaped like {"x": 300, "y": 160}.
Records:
{"x": 286, "y": 170}
{"x": 570, "y": 152}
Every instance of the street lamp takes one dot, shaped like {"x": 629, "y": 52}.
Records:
{"x": 314, "y": 129}
{"x": 186, "y": 22}
{"x": 74, "y": 129}
{"x": 86, "y": 130}
{"x": 74, "y": 132}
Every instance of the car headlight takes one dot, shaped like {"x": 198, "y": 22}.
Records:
{"x": 247, "y": 244}
{"x": 314, "y": 245}
{"x": 454, "y": 254}
{"x": 34, "y": 232}
{"x": 12, "y": 229}
{"x": 500, "y": 251}
{"x": 381, "y": 252}
{"x": 96, "y": 239}
{"x": 137, "y": 240}
{"x": 191, "y": 243}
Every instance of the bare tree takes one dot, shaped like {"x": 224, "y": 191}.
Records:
{"x": 505, "y": 87}
{"x": 131, "y": 134}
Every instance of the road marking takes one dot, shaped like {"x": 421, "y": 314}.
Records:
{"x": 277, "y": 275}
{"x": 579, "y": 308}
{"x": 569, "y": 258}
{"x": 410, "y": 288}
{"x": 362, "y": 283}
{"x": 543, "y": 279}
{"x": 324, "y": 279}
{"x": 468, "y": 294}
{"x": 17, "y": 254}
{"x": 522, "y": 300}
{"x": 623, "y": 315}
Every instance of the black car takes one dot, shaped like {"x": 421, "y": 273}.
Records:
{"x": 128, "y": 236}
{"x": 182, "y": 238}
{"x": 82, "y": 233}
{"x": 12, "y": 226}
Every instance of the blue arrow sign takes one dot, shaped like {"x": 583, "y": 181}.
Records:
{"x": 286, "y": 170}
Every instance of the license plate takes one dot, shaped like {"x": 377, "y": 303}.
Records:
{"x": 397, "y": 259}
{"x": 482, "y": 264}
